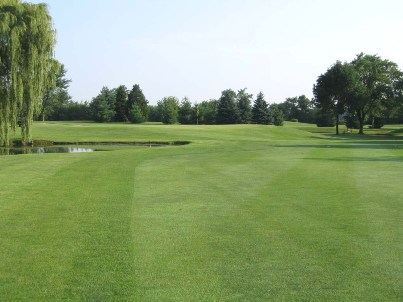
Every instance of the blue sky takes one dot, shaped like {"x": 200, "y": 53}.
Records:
{"x": 199, "y": 48}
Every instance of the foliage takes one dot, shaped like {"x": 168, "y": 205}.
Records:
{"x": 208, "y": 112}
{"x": 276, "y": 115}
{"x": 137, "y": 97}
{"x": 298, "y": 108}
{"x": 72, "y": 111}
{"x": 325, "y": 119}
{"x": 377, "y": 122}
{"x": 27, "y": 67}
{"x": 351, "y": 121}
{"x": 367, "y": 86}
{"x": 102, "y": 106}
{"x": 379, "y": 86}
{"x": 260, "y": 110}
{"x": 168, "y": 108}
{"x": 56, "y": 98}
{"x": 121, "y": 104}
{"x": 154, "y": 114}
{"x": 185, "y": 112}
{"x": 244, "y": 106}
{"x": 227, "y": 109}
{"x": 136, "y": 115}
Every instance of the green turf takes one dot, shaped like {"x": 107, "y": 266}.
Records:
{"x": 243, "y": 213}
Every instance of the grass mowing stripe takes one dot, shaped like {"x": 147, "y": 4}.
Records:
{"x": 243, "y": 213}
{"x": 78, "y": 247}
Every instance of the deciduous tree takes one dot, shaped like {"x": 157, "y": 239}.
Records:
{"x": 334, "y": 90}
{"x": 379, "y": 86}
{"x": 27, "y": 41}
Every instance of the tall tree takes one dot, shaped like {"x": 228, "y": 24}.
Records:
{"x": 334, "y": 89}
{"x": 244, "y": 100}
{"x": 102, "y": 106}
{"x": 121, "y": 108}
{"x": 208, "y": 112}
{"x": 378, "y": 88}
{"x": 227, "y": 109}
{"x": 260, "y": 110}
{"x": 276, "y": 115}
{"x": 56, "y": 97}
{"x": 185, "y": 113}
{"x": 168, "y": 108}
{"x": 27, "y": 41}
{"x": 136, "y": 98}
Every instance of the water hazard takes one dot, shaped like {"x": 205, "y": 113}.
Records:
{"x": 66, "y": 147}
{"x": 42, "y": 150}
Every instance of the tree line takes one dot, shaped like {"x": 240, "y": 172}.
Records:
{"x": 367, "y": 90}
{"x": 123, "y": 105}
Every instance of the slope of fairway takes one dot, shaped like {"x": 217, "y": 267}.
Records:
{"x": 243, "y": 213}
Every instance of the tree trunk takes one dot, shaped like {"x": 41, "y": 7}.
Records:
{"x": 337, "y": 124}
{"x": 361, "y": 118}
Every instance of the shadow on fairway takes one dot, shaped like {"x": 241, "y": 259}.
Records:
{"x": 352, "y": 159}
{"x": 353, "y": 145}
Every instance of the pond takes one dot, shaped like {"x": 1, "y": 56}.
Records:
{"x": 68, "y": 147}
{"x": 41, "y": 150}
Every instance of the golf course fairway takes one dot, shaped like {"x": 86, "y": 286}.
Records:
{"x": 241, "y": 213}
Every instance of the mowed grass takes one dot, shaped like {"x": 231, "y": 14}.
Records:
{"x": 243, "y": 213}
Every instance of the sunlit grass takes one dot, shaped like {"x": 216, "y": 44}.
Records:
{"x": 243, "y": 213}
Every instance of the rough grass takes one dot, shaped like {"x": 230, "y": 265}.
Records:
{"x": 244, "y": 213}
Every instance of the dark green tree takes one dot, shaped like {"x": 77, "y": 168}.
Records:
{"x": 276, "y": 115}
{"x": 56, "y": 97}
{"x": 244, "y": 100}
{"x": 298, "y": 108}
{"x": 102, "y": 106}
{"x": 154, "y": 114}
{"x": 136, "y": 115}
{"x": 260, "y": 110}
{"x": 121, "y": 108}
{"x": 137, "y": 97}
{"x": 168, "y": 108}
{"x": 227, "y": 109}
{"x": 208, "y": 112}
{"x": 334, "y": 89}
{"x": 378, "y": 88}
{"x": 186, "y": 112}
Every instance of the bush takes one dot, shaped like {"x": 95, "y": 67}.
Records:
{"x": 351, "y": 122}
{"x": 325, "y": 120}
{"x": 378, "y": 123}
{"x": 294, "y": 120}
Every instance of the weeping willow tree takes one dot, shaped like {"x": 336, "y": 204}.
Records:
{"x": 27, "y": 65}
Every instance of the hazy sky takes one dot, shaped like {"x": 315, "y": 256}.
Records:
{"x": 197, "y": 48}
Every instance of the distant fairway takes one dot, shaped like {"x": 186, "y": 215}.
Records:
{"x": 243, "y": 213}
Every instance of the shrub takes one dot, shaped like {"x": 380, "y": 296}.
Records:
{"x": 325, "y": 120}
{"x": 351, "y": 122}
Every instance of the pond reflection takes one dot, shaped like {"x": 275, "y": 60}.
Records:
{"x": 40, "y": 150}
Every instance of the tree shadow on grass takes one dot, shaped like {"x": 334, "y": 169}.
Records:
{"x": 359, "y": 138}
{"x": 353, "y": 145}
{"x": 361, "y": 158}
